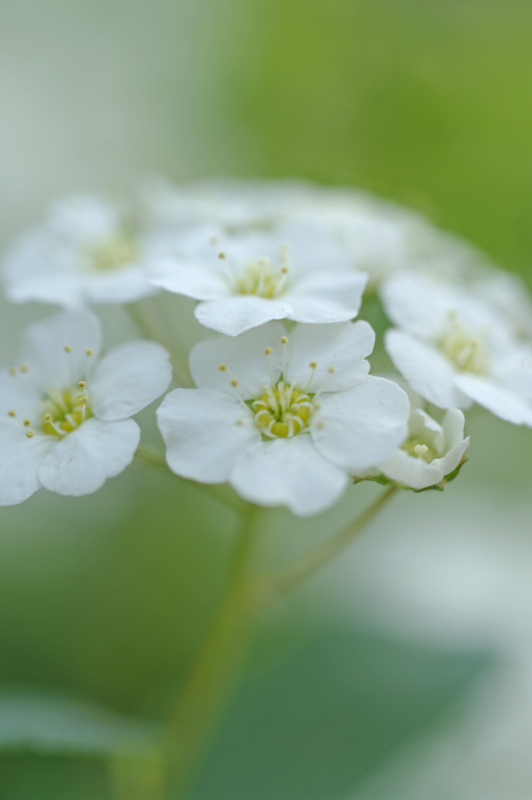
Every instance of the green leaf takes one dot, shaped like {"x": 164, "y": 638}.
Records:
{"x": 49, "y": 723}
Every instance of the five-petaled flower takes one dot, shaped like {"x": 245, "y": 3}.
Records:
{"x": 246, "y": 279}
{"x": 85, "y": 252}
{"x": 65, "y": 412}
{"x": 284, "y": 417}
{"x": 455, "y": 349}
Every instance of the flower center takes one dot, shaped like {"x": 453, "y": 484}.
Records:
{"x": 415, "y": 446}
{"x": 465, "y": 349}
{"x": 64, "y": 411}
{"x": 282, "y": 411}
{"x": 113, "y": 252}
{"x": 260, "y": 278}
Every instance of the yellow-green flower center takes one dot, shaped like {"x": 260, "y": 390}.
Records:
{"x": 417, "y": 447}
{"x": 261, "y": 279}
{"x": 282, "y": 411}
{"x": 465, "y": 349}
{"x": 64, "y": 411}
{"x": 114, "y": 252}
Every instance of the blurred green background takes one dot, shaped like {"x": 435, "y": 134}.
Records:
{"x": 426, "y": 102}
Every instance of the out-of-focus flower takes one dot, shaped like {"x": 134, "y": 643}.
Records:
{"x": 429, "y": 453}
{"x": 64, "y": 412}
{"x": 242, "y": 281}
{"x": 284, "y": 418}
{"x": 85, "y": 252}
{"x": 454, "y": 349}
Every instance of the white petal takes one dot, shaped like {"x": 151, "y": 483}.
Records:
{"x": 289, "y": 472}
{"x": 123, "y": 285}
{"x": 191, "y": 276}
{"x": 361, "y": 427}
{"x": 500, "y": 401}
{"x": 343, "y": 346}
{"x": 128, "y": 379}
{"x": 19, "y": 463}
{"x": 204, "y": 432}
{"x": 421, "y": 424}
{"x": 313, "y": 249}
{"x": 238, "y": 313}
{"x": 416, "y": 303}
{"x": 83, "y": 217}
{"x": 81, "y": 462}
{"x": 18, "y": 393}
{"x": 425, "y": 369}
{"x": 453, "y": 427}
{"x": 411, "y": 471}
{"x": 450, "y": 460}
{"x": 44, "y": 343}
{"x": 514, "y": 370}
{"x": 244, "y": 358}
{"x": 326, "y": 297}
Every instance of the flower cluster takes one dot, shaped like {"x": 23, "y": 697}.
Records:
{"x": 284, "y": 407}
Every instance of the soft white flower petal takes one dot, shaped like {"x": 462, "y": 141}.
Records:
{"x": 43, "y": 348}
{"x": 19, "y": 463}
{"x": 411, "y": 471}
{"x": 236, "y": 314}
{"x": 20, "y": 394}
{"x": 121, "y": 285}
{"x": 83, "y": 217}
{"x": 289, "y": 472}
{"x": 312, "y": 249}
{"x": 81, "y": 462}
{"x": 423, "y": 425}
{"x": 128, "y": 379}
{"x": 453, "y": 427}
{"x": 361, "y": 427}
{"x": 201, "y": 279}
{"x": 425, "y": 369}
{"x": 514, "y": 370}
{"x": 416, "y": 303}
{"x": 450, "y": 460}
{"x": 205, "y": 432}
{"x": 500, "y": 401}
{"x": 326, "y": 297}
{"x": 244, "y": 358}
{"x": 343, "y": 346}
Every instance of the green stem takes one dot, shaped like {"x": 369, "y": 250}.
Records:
{"x": 209, "y": 685}
{"x": 224, "y": 494}
{"x": 275, "y": 586}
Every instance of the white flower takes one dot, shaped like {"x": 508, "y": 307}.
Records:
{"x": 85, "y": 252}
{"x": 379, "y": 236}
{"x": 64, "y": 412}
{"x": 295, "y": 272}
{"x": 429, "y": 453}
{"x": 454, "y": 349}
{"x": 284, "y": 418}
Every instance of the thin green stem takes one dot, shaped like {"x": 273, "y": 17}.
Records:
{"x": 224, "y": 494}
{"x": 273, "y": 587}
{"x": 213, "y": 675}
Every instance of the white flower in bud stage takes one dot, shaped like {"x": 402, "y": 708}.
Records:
{"x": 429, "y": 453}
{"x": 455, "y": 349}
{"x": 64, "y": 411}
{"x": 242, "y": 281}
{"x": 85, "y": 252}
{"x": 284, "y": 417}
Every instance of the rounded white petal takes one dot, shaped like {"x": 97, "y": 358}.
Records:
{"x": 236, "y": 314}
{"x": 20, "y": 458}
{"x": 450, "y": 460}
{"x": 416, "y": 303}
{"x": 514, "y": 370}
{"x": 43, "y": 348}
{"x": 20, "y": 394}
{"x": 81, "y": 462}
{"x": 425, "y": 369}
{"x": 342, "y": 346}
{"x": 429, "y": 431}
{"x": 194, "y": 277}
{"x": 313, "y": 249}
{"x": 453, "y": 427}
{"x": 83, "y": 217}
{"x": 500, "y": 401}
{"x": 244, "y": 358}
{"x": 289, "y": 472}
{"x": 128, "y": 379}
{"x": 411, "y": 471}
{"x": 204, "y": 432}
{"x": 326, "y": 297}
{"x": 361, "y": 427}
{"x": 122, "y": 285}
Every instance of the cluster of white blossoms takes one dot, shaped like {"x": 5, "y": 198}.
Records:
{"x": 285, "y": 412}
